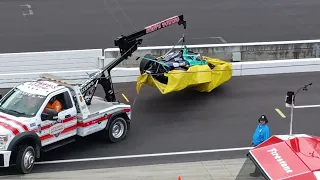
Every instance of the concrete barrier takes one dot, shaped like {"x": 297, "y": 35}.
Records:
{"x": 120, "y": 75}
{"x": 53, "y": 60}
{"x": 234, "y": 52}
{"x": 17, "y": 67}
{"x": 278, "y": 66}
{"x": 76, "y": 64}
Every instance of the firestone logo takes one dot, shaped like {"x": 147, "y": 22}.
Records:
{"x": 283, "y": 164}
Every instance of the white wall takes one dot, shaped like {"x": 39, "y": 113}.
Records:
{"x": 75, "y": 64}
{"x": 17, "y": 67}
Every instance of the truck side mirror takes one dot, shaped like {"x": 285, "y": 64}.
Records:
{"x": 51, "y": 115}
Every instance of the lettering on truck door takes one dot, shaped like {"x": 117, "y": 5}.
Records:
{"x": 66, "y": 126}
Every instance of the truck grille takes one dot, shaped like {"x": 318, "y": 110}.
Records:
{"x": 1, "y": 160}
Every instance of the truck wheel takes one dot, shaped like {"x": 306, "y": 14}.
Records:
{"x": 25, "y": 159}
{"x": 117, "y": 129}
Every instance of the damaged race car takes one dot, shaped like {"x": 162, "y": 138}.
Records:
{"x": 182, "y": 69}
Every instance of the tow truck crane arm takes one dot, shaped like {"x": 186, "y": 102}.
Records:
{"x": 127, "y": 45}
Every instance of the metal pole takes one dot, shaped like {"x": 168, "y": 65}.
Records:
{"x": 292, "y": 107}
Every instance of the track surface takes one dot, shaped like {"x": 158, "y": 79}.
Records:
{"x": 83, "y": 24}
{"x": 180, "y": 121}
{"x": 187, "y": 120}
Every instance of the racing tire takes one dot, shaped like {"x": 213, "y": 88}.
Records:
{"x": 117, "y": 130}
{"x": 25, "y": 159}
{"x": 145, "y": 63}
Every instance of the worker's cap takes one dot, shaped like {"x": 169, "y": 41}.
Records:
{"x": 263, "y": 118}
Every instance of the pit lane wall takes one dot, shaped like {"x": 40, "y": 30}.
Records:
{"x": 76, "y": 64}
{"x": 234, "y": 52}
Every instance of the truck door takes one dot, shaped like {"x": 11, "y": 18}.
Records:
{"x": 66, "y": 124}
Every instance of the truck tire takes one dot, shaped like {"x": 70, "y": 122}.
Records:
{"x": 117, "y": 129}
{"x": 25, "y": 159}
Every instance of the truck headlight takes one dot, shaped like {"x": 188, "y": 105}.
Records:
{"x": 3, "y": 142}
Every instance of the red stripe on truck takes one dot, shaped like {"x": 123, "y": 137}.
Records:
{"x": 68, "y": 129}
{"x": 14, "y": 130}
{"x": 64, "y": 121}
{"x": 94, "y": 121}
{"x": 16, "y": 122}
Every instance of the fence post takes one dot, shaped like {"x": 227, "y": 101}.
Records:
{"x": 236, "y": 54}
{"x": 317, "y": 50}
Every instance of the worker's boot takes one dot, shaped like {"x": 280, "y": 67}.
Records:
{"x": 256, "y": 173}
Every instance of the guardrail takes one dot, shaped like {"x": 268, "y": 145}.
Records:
{"x": 120, "y": 75}
{"x": 234, "y": 52}
{"x": 75, "y": 64}
{"x": 17, "y": 67}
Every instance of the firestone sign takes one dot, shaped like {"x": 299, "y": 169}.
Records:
{"x": 278, "y": 158}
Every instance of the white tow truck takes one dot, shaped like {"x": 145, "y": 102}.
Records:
{"x": 28, "y": 127}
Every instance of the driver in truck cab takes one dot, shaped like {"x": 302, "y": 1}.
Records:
{"x": 54, "y": 104}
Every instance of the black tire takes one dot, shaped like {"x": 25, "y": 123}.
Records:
{"x": 145, "y": 63}
{"x": 156, "y": 70}
{"x": 117, "y": 122}
{"x": 24, "y": 151}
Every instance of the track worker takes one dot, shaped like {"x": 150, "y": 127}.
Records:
{"x": 54, "y": 104}
{"x": 261, "y": 134}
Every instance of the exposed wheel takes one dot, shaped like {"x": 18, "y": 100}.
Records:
{"x": 117, "y": 129}
{"x": 145, "y": 63}
{"x": 156, "y": 69}
{"x": 25, "y": 159}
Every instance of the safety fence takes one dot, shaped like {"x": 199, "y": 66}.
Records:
{"x": 234, "y": 52}
{"x": 120, "y": 75}
{"x": 77, "y": 64}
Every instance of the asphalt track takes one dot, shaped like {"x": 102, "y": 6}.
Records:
{"x": 81, "y": 24}
{"x": 187, "y": 120}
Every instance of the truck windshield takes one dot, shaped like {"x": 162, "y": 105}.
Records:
{"x": 20, "y": 103}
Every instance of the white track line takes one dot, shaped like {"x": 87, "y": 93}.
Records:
{"x": 144, "y": 155}
{"x": 307, "y": 106}
{"x": 29, "y": 8}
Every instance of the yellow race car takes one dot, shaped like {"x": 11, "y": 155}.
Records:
{"x": 176, "y": 71}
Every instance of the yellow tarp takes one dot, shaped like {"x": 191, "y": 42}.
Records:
{"x": 201, "y": 78}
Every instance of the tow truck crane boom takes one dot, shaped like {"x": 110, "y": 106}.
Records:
{"x": 127, "y": 45}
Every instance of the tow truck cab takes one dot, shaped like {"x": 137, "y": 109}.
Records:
{"x": 27, "y": 127}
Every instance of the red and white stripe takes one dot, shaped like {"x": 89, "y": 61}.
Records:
{"x": 70, "y": 124}
{"x": 4, "y": 130}
{"x": 15, "y": 127}
{"x": 95, "y": 120}
{"x": 11, "y": 125}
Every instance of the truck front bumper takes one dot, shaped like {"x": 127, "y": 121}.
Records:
{"x": 5, "y": 158}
